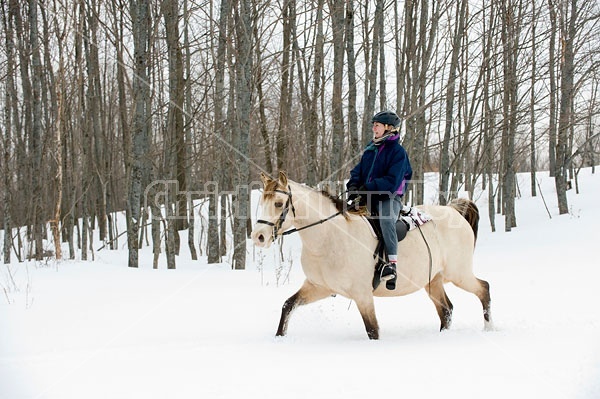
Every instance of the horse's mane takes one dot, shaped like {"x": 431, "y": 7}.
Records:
{"x": 273, "y": 185}
{"x": 338, "y": 202}
{"x": 341, "y": 206}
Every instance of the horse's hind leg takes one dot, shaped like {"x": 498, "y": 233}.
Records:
{"x": 306, "y": 294}
{"x": 481, "y": 289}
{"x": 442, "y": 303}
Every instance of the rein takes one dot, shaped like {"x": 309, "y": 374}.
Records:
{"x": 277, "y": 225}
{"x": 429, "y": 252}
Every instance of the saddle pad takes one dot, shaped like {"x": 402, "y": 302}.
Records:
{"x": 414, "y": 217}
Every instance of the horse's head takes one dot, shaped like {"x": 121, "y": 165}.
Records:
{"x": 276, "y": 204}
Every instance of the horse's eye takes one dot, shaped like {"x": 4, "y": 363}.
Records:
{"x": 278, "y": 204}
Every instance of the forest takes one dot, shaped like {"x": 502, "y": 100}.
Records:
{"x": 145, "y": 108}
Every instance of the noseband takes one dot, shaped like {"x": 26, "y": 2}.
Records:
{"x": 277, "y": 225}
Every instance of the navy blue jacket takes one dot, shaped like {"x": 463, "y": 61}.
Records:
{"x": 384, "y": 167}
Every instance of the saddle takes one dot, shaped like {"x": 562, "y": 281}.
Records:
{"x": 409, "y": 219}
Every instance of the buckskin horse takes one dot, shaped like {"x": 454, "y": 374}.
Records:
{"x": 338, "y": 251}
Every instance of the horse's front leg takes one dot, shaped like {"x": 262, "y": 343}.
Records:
{"x": 308, "y": 293}
{"x": 366, "y": 307}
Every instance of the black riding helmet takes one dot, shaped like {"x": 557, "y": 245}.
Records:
{"x": 387, "y": 118}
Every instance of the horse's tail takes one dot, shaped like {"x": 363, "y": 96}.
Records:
{"x": 469, "y": 211}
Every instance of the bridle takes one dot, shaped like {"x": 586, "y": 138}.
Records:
{"x": 277, "y": 225}
{"x": 289, "y": 204}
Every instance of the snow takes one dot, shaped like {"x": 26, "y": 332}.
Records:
{"x": 75, "y": 329}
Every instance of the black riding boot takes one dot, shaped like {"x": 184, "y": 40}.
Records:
{"x": 388, "y": 274}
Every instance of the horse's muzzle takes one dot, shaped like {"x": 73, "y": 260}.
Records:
{"x": 261, "y": 238}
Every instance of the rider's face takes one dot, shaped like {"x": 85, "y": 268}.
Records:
{"x": 378, "y": 129}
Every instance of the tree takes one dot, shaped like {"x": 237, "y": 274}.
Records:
{"x": 511, "y": 18}
{"x": 532, "y": 102}
{"x": 565, "y": 120}
{"x": 214, "y": 245}
{"x": 9, "y": 105}
{"x": 285, "y": 94}
{"x": 35, "y": 143}
{"x": 459, "y": 30}
{"x": 175, "y": 165}
{"x": 420, "y": 30}
{"x": 352, "y": 116}
{"x": 552, "y": 64}
{"x": 188, "y": 124}
{"x": 243, "y": 83}
{"x": 140, "y": 134}
{"x": 371, "y": 70}
{"x": 336, "y": 9}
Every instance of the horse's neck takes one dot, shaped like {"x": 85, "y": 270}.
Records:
{"x": 311, "y": 206}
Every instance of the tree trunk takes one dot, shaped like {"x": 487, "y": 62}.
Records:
{"x": 188, "y": 131}
{"x": 285, "y": 93}
{"x": 450, "y": 89}
{"x": 175, "y": 154}
{"x": 553, "y": 92}
{"x": 215, "y": 236}
{"x": 312, "y": 141}
{"x": 10, "y": 93}
{"x": 243, "y": 83}
{"x": 300, "y": 56}
{"x": 139, "y": 138}
{"x": 36, "y": 130}
{"x": 58, "y": 151}
{"x": 352, "y": 116}
{"x": 532, "y": 146}
{"x": 223, "y": 226}
{"x": 337, "y": 127}
{"x": 565, "y": 119}
{"x": 511, "y": 16}
{"x": 371, "y": 81}
{"x": 264, "y": 132}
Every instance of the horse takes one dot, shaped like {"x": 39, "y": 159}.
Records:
{"x": 338, "y": 251}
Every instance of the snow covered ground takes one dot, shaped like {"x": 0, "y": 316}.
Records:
{"x": 76, "y": 329}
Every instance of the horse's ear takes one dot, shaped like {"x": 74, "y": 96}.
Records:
{"x": 264, "y": 178}
{"x": 283, "y": 180}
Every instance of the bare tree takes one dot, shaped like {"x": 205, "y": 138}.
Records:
{"x": 352, "y": 115}
{"x": 285, "y": 94}
{"x": 459, "y": 30}
{"x": 552, "y": 65}
{"x": 35, "y": 142}
{"x": 188, "y": 124}
{"x": 420, "y": 30}
{"x": 511, "y": 16}
{"x": 9, "y": 96}
{"x": 140, "y": 15}
{"x": 175, "y": 153}
{"x": 336, "y": 9}
{"x": 371, "y": 70}
{"x": 216, "y": 238}
{"x": 565, "y": 121}
{"x": 243, "y": 82}
{"x": 532, "y": 102}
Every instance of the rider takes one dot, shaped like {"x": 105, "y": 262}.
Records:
{"x": 381, "y": 177}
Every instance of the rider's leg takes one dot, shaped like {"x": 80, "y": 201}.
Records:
{"x": 389, "y": 209}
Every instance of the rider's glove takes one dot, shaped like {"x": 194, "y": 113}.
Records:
{"x": 354, "y": 197}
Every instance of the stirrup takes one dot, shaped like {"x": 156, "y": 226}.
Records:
{"x": 390, "y": 272}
